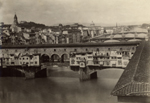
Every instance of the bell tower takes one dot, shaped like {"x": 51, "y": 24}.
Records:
{"x": 15, "y": 20}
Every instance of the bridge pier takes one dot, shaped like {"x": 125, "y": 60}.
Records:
{"x": 86, "y": 73}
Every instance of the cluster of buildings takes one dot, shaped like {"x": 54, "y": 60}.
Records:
{"x": 19, "y": 34}
{"x": 19, "y": 60}
{"x": 100, "y": 58}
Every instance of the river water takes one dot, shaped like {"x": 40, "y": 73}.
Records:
{"x": 62, "y": 86}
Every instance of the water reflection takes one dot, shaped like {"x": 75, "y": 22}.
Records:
{"x": 60, "y": 88}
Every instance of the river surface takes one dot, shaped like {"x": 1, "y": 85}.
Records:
{"x": 62, "y": 86}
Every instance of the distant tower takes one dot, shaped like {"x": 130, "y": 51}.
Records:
{"x": 116, "y": 25}
{"x": 15, "y": 20}
{"x": 14, "y": 26}
{"x": 60, "y": 28}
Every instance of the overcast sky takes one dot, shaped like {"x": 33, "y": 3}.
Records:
{"x": 101, "y": 12}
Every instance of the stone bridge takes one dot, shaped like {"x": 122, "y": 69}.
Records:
{"x": 121, "y": 37}
{"x": 60, "y": 52}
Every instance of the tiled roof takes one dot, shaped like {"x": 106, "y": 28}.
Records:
{"x": 17, "y": 54}
{"x": 56, "y": 30}
{"x": 6, "y": 25}
{"x": 135, "y": 80}
{"x": 26, "y": 35}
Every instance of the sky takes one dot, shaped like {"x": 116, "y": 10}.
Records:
{"x": 53, "y": 12}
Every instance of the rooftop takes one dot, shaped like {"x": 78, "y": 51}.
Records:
{"x": 135, "y": 80}
{"x": 72, "y": 45}
{"x": 7, "y": 25}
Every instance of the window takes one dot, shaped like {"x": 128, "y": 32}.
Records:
{"x": 20, "y": 62}
{"x": 89, "y": 56}
{"x": 107, "y": 54}
{"x": 132, "y": 48}
{"x": 120, "y": 48}
{"x": 35, "y": 62}
{"x": 12, "y": 63}
{"x": 75, "y": 49}
{"x": 64, "y": 49}
{"x": 72, "y": 61}
{"x": 20, "y": 58}
{"x": 54, "y": 49}
{"x": 86, "y": 49}
{"x": 78, "y": 58}
{"x": 97, "y": 49}
{"x": 27, "y": 58}
{"x": 23, "y": 58}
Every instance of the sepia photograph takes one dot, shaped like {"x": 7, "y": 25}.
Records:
{"x": 74, "y": 51}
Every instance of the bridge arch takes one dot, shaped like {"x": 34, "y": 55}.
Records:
{"x": 111, "y": 41}
{"x": 134, "y": 40}
{"x": 130, "y": 35}
{"x": 64, "y": 58}
{"x": 142, "y": 35}
{"x": 55, "y": 58}
{"x": 118, "y": 36}
{"x": 44, "y": 58}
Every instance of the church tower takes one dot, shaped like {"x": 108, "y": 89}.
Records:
{"x": 15, "y": 27}
{"x": 15, "y": 20}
